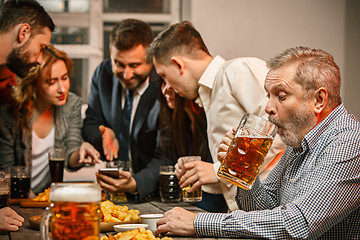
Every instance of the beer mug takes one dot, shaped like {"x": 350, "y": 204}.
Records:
{"x": 247, "y": 151}
{"x": 196, "y": 195}
{"x": 169, "y": 187}
{"x": 74, "y": 212}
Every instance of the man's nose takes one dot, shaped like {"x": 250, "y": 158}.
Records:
{"x": 39, "y": 58}
{"x": 128, "y": 73}
{"x": 269, "y": 109}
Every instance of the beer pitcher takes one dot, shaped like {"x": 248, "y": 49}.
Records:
{"x": 74, "y": 212}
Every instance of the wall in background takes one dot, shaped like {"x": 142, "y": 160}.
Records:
{"x": 263, "y": 28}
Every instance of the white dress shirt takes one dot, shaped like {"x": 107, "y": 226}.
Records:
{"x": 228, "y": 90}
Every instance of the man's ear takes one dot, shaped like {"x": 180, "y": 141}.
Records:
{"x": 179, "y": 64}
{"x": 24, "y": 32}
{"x": 320, "y": 100}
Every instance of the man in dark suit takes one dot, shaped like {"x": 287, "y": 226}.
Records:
{"x": 123, "y": 110}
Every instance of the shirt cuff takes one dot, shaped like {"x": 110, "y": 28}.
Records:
{"x": 208, "y": 224}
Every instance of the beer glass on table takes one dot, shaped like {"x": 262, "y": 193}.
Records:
{"x": 169, "y": 188}
{"x": 247, "y": 151}
{"x": 56, "y": 164}
{"x": 4, "y": 190}
{"x": 118, "y": 197}
{"x": 74, "y": 212}
{"x": 20, "y": 181}
{"x": 196, "y": 195}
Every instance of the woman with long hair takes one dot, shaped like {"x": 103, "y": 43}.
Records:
{"x": 43, "y": 114}
{"x": 183, "y": 133}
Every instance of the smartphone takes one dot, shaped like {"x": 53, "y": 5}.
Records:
{"x": 111, "y": 172}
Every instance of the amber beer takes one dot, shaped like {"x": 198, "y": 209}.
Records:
{"x": 74, "y": 211}
{"x": 247, "y": 151}
{"x": 195, "y": 196}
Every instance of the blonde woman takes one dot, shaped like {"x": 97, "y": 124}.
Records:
{"x": 44, "y": 114}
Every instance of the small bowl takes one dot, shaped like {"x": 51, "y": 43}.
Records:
{"x": 127, "y": 227}
{"x": 151, "y": 220}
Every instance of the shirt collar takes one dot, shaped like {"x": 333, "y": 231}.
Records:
{"x": 208, "y": 77}
{"x": 312, "y": 137}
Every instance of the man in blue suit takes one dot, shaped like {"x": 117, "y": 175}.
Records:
{"x": 123, "y": 110}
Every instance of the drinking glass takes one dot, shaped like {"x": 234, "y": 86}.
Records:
{"x": 56, "y": 164}
{"x": 4, "y": 190}
{"x": 196, "y": 195}
{"x": 20, "y": 181}
{"x": 169, "y": 188}
{"x": 247, "y": 151}
{"x": 74, "y": 212}
{"x": 118, "y": 197}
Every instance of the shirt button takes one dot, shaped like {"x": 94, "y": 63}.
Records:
{"x": 292, "y": 180}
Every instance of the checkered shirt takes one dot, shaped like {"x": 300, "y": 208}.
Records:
{"x": 313, "y": 192}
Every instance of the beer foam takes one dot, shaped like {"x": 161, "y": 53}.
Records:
{"x": 75, "y": 194}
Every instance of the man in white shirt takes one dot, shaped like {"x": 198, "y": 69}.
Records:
{"x": 225, "y": 89}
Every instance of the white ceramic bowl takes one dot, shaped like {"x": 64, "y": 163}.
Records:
{"x": 127, "y": 227}
{"x": 150, "y": 219}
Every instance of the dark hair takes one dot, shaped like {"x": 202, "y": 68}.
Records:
{"x": 180, "y": 38}
{"x": 14, "y": 12}
{"x": 129, "y": 33}
{"x": 175, "y": 125}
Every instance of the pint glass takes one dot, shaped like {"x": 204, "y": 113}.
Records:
{"x": 56, "y": 164}
{"x": 196, "y": 195}
{"x": 169, "y": 188}
{"x": 247, "y": 151}
{"x": 74, "y": 212}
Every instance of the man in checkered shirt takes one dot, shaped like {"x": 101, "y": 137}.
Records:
{"x": 314, "y": 191}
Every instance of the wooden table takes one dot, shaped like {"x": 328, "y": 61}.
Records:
{"x": 153, "y": 206}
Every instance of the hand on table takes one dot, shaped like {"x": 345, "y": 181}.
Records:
{"x": 176, "y": 221}
{"x": 110, "y": 142}
{"x": 197, "y": 172}
{"x": 10, "y": 220}
{"x": 125, "y": 183}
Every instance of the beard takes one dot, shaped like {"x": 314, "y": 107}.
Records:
{"x": 299, "y": 122}
{"x": 18, "y": 61}
{"x": 139, "y": 79}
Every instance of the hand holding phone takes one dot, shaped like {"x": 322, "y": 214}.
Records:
{"x": 111, "y": 172}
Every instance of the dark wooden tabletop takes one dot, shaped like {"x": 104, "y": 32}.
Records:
{"x": 153, "y": 206}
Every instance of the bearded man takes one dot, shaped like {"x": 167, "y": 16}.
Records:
{"x": 121, "y": 119}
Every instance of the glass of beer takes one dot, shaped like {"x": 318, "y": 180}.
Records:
{"x": 118, "y": 197}
{"x": 169, "y": 188}
{"x": 56, "y": 164}
{"x": 196, "y": 195}
{"x": 247, "y": 151}
{"x": 4, "y": 190}
{"x": 74, "y": 212}
{"x": 20, "y": 181}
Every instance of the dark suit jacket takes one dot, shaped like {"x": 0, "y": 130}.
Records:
{"x": 105, "y": 109}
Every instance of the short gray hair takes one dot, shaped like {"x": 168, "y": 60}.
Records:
{"x": 315, "y": 68}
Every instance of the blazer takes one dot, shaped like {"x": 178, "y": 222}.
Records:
{"x": 15, "y": 140}
{"x": 104, "y": 108}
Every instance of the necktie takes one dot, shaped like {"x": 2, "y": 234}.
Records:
{"x": 124, "y": 135}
